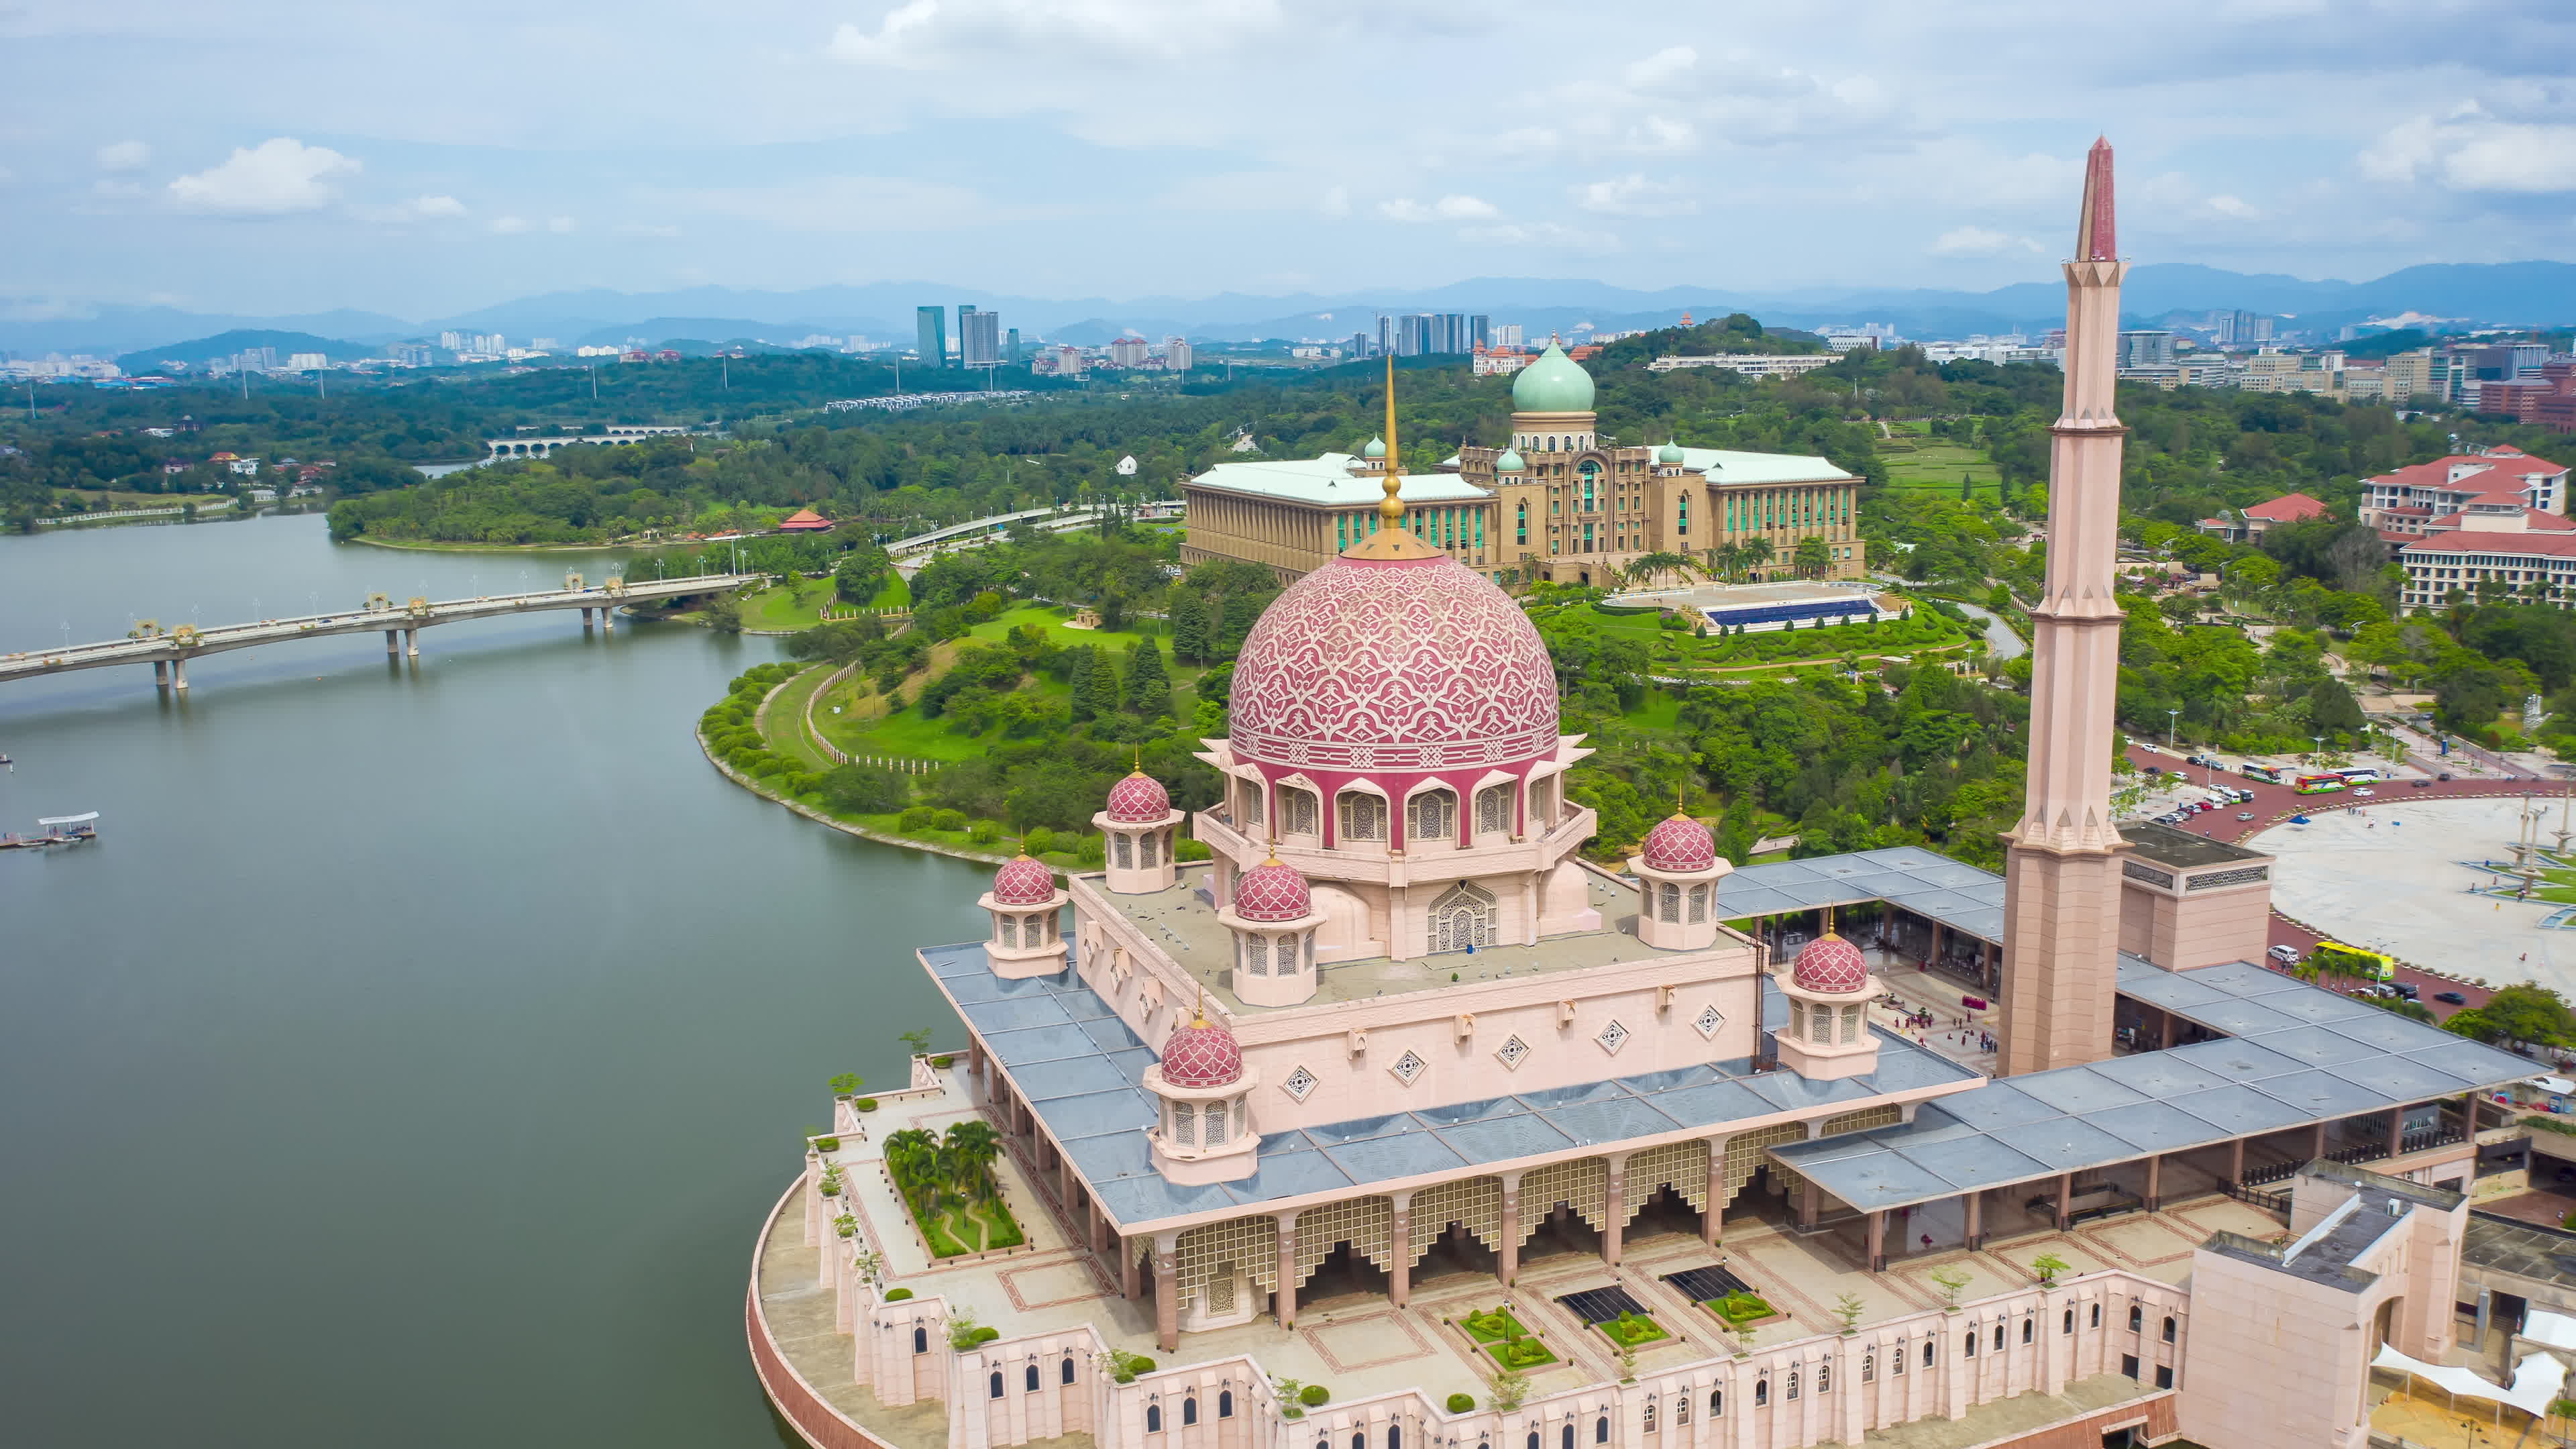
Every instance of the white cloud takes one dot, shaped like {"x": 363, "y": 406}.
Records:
{"x": 937, "y": 34}
{"x": 110, "y": 189}
{"x": 1660, "y": 69}
{"x": 2471, "y": 150}
{"x": 509, "y": 225}
{"x": 1447, "y": 208}
{"x": 278, "y": 176}
{"x": 559, "y": 225}
{"x": 2233, "y": 207}
{"x": 1977, "y": 241}
{"x": 1337, "y": 201}
{"x": 855, "y": 204}
{"x": 418, "y": 208}
{"x": 124, "y": 156}
{"x": 1634, "y": 195}
{"x": 1545, "y": 235}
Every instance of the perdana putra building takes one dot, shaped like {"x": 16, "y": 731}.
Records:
{"x": 1397, "y": 1028}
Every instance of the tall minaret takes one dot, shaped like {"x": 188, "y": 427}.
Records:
{"x": 2062, "y": 861}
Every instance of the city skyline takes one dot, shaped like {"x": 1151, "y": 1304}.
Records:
{"x": 1031, "y": 143}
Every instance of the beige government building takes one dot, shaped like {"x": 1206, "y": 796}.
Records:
{"x": 1554, "y": 503}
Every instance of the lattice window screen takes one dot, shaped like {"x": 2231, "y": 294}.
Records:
{"x": 1251, "y": 1244}
{"x": 1864, "y": 1120}
{"x": 1683, "y": 1165}
{"x": 1364, "y": 1222}
{"x": 1474, "y": 1203}
{"x": 1580, "y": 1185}
{"x": 1744, "y": 1153}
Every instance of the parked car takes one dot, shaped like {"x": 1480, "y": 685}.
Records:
{"x": 2450, "y": 998}
{"x": 2406, "y": 990}
{"x": 2445, "y": 775}
{"x": 2244, "y": 814}
{"x": 2286, "y": 955}
{"x": 2420, "y": 784}
{"x": 2155, "y": 769}
{"x": 2367, "y": 793}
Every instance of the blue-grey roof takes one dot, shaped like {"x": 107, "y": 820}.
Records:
{"x": 1083, "y": 1071}
{"x": 2304, "y": 1055}
{"x": 1956, "y": 894}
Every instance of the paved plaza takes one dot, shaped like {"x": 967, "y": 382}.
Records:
{"x": 2394, "y": 875}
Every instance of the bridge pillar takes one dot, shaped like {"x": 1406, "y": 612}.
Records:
{"x": 585, "y": 620}
{"x": 411, "y": 642}
{"x": 608, "y": 621}
{"x": 160, "y": 673}
{"x": 393, "y": 645}
{"x": 178, "y": 673}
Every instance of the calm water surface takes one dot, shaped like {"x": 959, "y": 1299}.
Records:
{"x": 413, "y": 1057}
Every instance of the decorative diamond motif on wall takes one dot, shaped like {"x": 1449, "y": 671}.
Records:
{"x": 1409, "y": 1066}
{"x": 1612, "y": 1037}
{"x": 1299, "y": 1083}
{"x": 1512, "y": 1052}
{"x": 1709, "y": 1020}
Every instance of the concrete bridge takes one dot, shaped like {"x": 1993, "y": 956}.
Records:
{"x": 535, "y": 446}
{"x": 168, "y": 651}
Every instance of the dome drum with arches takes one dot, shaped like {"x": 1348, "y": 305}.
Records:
{"x": 1679, "y": 844}
{"x": 1830, "y": 966}
{"x": 1139, "y": 799}
{"x": 1202, "y": 1055}
{"x": 1272, "y": 892}
{"x": 1023, "y": 881}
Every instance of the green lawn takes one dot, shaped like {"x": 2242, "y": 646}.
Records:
{"x": 786, "y": 731}
{"x": 973, "y": 1229}
{"x": 1632, "y": 1330}
{"x": 1739, "y": 1309}
{"x": 1488, "y": 1329}
{"x": 895, "y": 595}
{"x": 772, "y": 609}
{"x": 1916, "y": 460}
{"x": 1059, "y": 634}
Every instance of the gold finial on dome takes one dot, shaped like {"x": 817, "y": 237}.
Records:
{"x": 1392, "y": 539}
{"x": 1198, "y": 1013}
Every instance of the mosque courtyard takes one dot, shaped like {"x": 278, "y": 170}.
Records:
{"x": 2401, "y": 876}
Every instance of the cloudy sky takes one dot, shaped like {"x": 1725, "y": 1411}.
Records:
{"x": 293, "y": 155}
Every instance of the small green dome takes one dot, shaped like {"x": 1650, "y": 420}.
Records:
{"x": 1376, "y": 448}
{"x": 1510, "y": 462}
{"x": 1555, "y": 383}
{"x": 1670, "y": 455}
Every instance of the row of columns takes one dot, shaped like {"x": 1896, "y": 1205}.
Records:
{"x": 170, "y": 673}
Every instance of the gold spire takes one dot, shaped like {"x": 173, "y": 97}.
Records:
{"x": 1392, "y": 540}
{"x": 1198, "y": 1014}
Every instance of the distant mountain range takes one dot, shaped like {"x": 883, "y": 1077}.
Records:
{"x": 2537, "y": 294}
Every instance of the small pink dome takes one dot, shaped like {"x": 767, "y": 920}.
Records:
{"x": 1202, "y": 1055}
{"x": 1272, "y": 892}
{"x": 1830, "y": 964}
{"x": 1023, "y": 881}
{"x": 1140, "y": 799}
{"x": 1680, "y": 843}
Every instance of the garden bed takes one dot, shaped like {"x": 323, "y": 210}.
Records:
{"x": 1631, "y": 1330}
{"x": 1742, "y": 1310}
{"x": 1494, "y": 1329}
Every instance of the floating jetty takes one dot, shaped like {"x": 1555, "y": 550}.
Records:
{"x": 58, "y": 830}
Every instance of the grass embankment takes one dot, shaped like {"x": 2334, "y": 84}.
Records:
{"x": 1918, "y": 462}
{"x": 780, "y": 610}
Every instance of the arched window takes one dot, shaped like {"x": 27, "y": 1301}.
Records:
{"x": 1394, "y": 1437}
{"x": 1153, "y": 1418}
{"x": 1256, "y": 954}
{"x": 2095, "y": 1317}
{"x": 1717, "y": 1403}
{"x": 2027, "y": 1328}
{"x": 2169, "y": 1328}
{"x": 1896, "y": 1360}
{"x": 1249, "y": 812}
{"x": 2070, "y": 1320}
{"x": 1999, "y": 1337}
{"x": 997, "y": 1383}
{"x": 1068, "y": 1368}
{"x": 1461, "y": 916}
{"x": 1646, "y": 1415}
{"x": 2137, "y": 1318}
{"x": 1520, "y": 524}
{"x": 1869, "y": 1368}
{"x": 1793, "y": 1384}
{"x": 1125, "y": 848}
{"x": 1030, "y": 1379}
{"x": 920, "y": 1339}
{"x": 1213, "y": 1120}
{"x": 1668, "y": 903}
{"x": 1189, "y": 1411}
{"x": 1825, "y": 1377}
{"x": 1927, "y": 1353}
{"x": 1149, "y": 843}
{"x": 1010, "y": 929}
{"x": 1601, "y": 1430}
{"x": 1761, "y": 1392}
{"x": 1542, "y": 801}
{"x": 1297, "y": 815}
{"x": 1225, "y": 1404}
{"x": 1363, "y": 816}
{"x": 1185, "y": 1124}
{"x": 1288, "y": 955}
{"x": 1431, "y": 815}
{"x": 1968, "y": 1345}
{"x": 1681, "y": 1410}
{"x": 1359, "y": 1440}
{"x": 1698, "y": 904}
{"x": 1565, "y": 1439}
{"x": 1533, "y": 1439}
{"x": 1494, "y": 810}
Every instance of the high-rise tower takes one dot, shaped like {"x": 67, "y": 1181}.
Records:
{"x": 2062, "y": 861}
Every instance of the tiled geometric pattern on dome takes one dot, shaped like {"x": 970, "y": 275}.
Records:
{"x": 1581, "y": 1185}
{"x": 1395, "y": 665}
{"x": 1679, "y": 843}
{"x": 1366, "y": 1223}
{"x": 1272, "y": 892}
{"x": 1830, "y": 964}
{"x": 1023, "y": 881}
{"x": 1475, "y": 1204}
{"x": 1202, "y": 1055}
{"x": 1138, "y": 799}
{"x": 1248, "y": 1244}
{"x": 1681, "y": 1166}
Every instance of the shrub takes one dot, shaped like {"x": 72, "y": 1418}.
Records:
{"x": 914, "y": 820}
{"x": 1186, "y": 851}
{"x": 897, "y": 1295}
{"x": 1038, "y": 841}
{"x": 1093, "y": 851}
{"x": 985, "y": 1334}
{"x": 864, "y": 789}
{"x": 984, "y": 832}
{"x": 1313, "y": 1395}
{"x": 943, "y": 1063}
{"x": 948, "y": 820}
{"x": 827, "y": 1144}
{"x": 865, "y": 1104}
{"x": 1461, "y": 1403}
{"x": 1526, "y": 1352}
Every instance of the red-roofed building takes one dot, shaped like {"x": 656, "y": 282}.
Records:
{"x": 2404, "y": 500}
{"x": 805, "y": 520}
{"x": 2244, "y": 525}
{"x": 2493, "y": 547}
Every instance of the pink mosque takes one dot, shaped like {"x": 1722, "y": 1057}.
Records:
{"x": 1396, "y": 1057}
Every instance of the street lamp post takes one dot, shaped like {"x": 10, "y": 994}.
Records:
{"x": 2173, "y": 719}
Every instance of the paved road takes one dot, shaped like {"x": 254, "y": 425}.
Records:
{"x": 1999, "y": 635}
{"x": 2275, "y": 803}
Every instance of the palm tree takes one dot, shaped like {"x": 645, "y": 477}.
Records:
{"x": 1649, "y": 567}
{"x": 1758, "y": 553}
{"x": 976, "y": 1146}
{"x": 1726, "y": 558}
{"x": 907, "y": 1154}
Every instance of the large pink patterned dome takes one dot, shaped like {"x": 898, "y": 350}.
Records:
{"x": 1202, "y": 1055}
{"x": 1830, "y": 964}
{"x": 1393, "y": 664}
{"x": 1680, "y": 843}
{"x": 1023, "y": 881}
{"x": 1272, "y": 892}
{"x": 1140, "y": 799}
